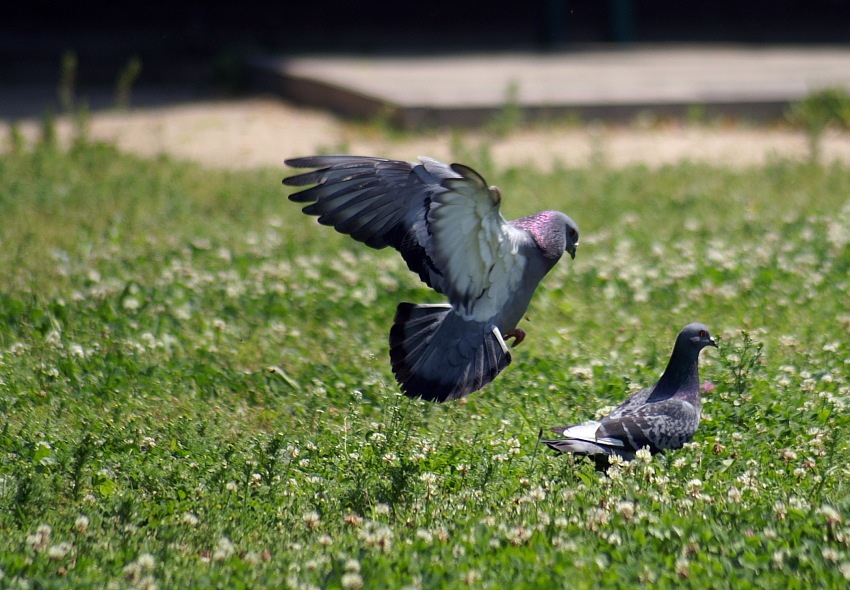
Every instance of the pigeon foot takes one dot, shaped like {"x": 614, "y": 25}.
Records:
{"x": 518, "y": 335}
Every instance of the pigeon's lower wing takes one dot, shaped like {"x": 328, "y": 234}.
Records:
{"x": 668, "y": 424}
{"x": 376, "y": 201}
{"x": 475, "y": 249}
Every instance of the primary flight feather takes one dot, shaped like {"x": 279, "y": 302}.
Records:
{"x": 445, "y": 222}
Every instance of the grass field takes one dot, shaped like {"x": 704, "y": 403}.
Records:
{"x": 195, "y": 387}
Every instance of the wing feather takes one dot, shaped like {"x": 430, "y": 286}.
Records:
{"x": 474, "y": 246}
{"x": 668, "y": 424}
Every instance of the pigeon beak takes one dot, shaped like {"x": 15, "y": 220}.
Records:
{"x": 572, "y": 250}
{"x": 713, "y": 342}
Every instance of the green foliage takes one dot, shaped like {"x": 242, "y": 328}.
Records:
{"x": 741, "y": 360}
{"x": 195, "y": 391}
{"x": 126, "y": 79}
{"x": 818, "y": 111}
{"x": 510, "y": 116}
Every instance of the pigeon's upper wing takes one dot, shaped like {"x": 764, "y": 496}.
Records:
{"x": 634, "y": 401}
{"x": 378, "y": 202}
{"x": 668, "y": 424}
{"x": 473, "y": 246}
{"x": 443, "y": 220}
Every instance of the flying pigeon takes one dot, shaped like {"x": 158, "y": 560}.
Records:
{"x": 446, "y": 224}
{"x": 664, "y": 416}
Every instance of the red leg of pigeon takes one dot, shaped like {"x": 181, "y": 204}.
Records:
{"x": 518, "y": 334}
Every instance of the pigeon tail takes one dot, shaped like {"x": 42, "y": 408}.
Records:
{"x": 582, "y": 439}
{"x": 438, "y": 355}
{"x": 596, "y": 451}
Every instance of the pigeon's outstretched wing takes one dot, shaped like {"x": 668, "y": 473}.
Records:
{"x": 376, "y": 201}
{"x": 443, "y": 219}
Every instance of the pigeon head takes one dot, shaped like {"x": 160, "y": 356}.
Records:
{"x": 695, "y": 337}
{"x": 572, "y": 236}
{"x": 554, "y": 233}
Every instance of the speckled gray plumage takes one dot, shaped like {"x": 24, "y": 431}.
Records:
{"x": 661, "y": 417}
{"x": 446, "y": 224}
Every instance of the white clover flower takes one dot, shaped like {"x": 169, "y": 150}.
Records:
{"x": 644, "y": 455}
{"x": 583, "y": 373}
{"x": 389, "y": 457}
{"x": 351, "y": 581}
{"x": 58, "y": 552}
{"x": 352, "y": 566}
{"x": 734, "y": 495}
{"x": 626, "y": 509}
{"x": 646, "y": 576}
{"x": 131, "y": 304}
{"x": 537, "y": 494}
{"x": 615, "y": 461}
{"x": 39, "y": 541}
{"x": 325, "y": 540}
{"x": 428, "y": 477}
{"x": 146, "y": 561}
{"x": 252, "y": 558}
{"x": 132, "y": 571}
{"x": 231, "y": 486}
{"x": 82, "y": 523}
{"x": 223, "y": 550}
{"x": 382, "y": 509}
{"x": 829, "y": 554}
{"x": 471, "y": 578}
{"x": 694, "y": 486}
{"x": 682, "y": 569}
{"x": 830, "y": 515}
{"x": 190, "y": 519}
{"x": 311, "y": 519}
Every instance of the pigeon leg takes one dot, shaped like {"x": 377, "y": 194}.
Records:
{"x": 518, "y": 334}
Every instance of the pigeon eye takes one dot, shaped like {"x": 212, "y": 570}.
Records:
{"x": 572, "y": 234}
{"x": 703, "y": 333}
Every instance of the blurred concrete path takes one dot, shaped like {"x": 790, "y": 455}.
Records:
{"x": 754, "y": 82}
{"x": 261, "y": 130}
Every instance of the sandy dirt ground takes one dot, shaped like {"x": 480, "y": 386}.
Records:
{"x": 262, "y": 131}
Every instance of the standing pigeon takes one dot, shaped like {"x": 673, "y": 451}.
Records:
{"x": 446, "y": 224}
{"x": 664, "y": 416}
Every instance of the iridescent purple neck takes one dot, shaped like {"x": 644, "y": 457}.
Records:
{"x": 547, "y": 229}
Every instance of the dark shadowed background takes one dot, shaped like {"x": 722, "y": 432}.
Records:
{"x": 204, "y": 42}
